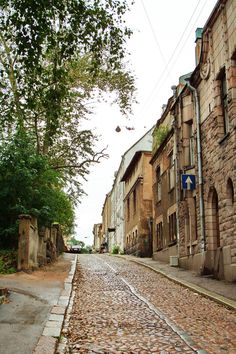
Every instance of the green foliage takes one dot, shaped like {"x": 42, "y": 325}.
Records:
{"x": 86, "y": 250}
{"x": 8, "y": 261}
{"x": 159, "y": 135}
{"x": 115, "y": 249}
{"x": 75, "y": 242}
{"x": 28, "y": 185}
{"x": 55, "y": 57}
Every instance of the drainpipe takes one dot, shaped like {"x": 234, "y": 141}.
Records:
{"x": 199, "y": 161}
{"x": 177, "y": 197}
{"x": 177, "y": 185}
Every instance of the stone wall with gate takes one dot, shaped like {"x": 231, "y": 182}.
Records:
{"x": 37, "y": 247}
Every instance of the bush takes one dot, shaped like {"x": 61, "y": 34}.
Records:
{"x": 29, "y": 185}
{"x": 159, "y": 135}
{"x": 115, "y": 249}
{"x": 8, "y": 261}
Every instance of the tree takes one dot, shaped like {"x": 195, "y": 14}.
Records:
{"x": 55, "y": 56}
{"x": 28, "y": 185}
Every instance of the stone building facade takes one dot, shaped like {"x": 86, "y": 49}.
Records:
{"x": 138, "y": 205}
{"x": 215, "y": 82}
{"x": 97, "y": 236}
{"x": 188, "y": 194}
{"x": 202, "y": 137}
{"x": 106, "y": 220}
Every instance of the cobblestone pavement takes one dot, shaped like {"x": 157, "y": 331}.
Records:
{"x": 122, "y": 307}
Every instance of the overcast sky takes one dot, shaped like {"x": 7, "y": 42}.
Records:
{"x": 162, "y": 48}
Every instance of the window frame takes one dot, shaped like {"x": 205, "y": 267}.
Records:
{"x": 171, "y": 174}
{"x": 158, "y": 183}
{"x": 159, "y": 235}
{"x": 172, "y": 228}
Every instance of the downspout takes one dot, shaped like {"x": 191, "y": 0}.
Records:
{"x": 199, "y": 161}
{"x": 177, "y": 197}
{"x": 177, "y": 185}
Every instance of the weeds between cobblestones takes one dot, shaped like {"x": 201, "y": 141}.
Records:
{"x": 108, "y": 317}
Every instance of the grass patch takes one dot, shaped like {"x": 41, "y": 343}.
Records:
{"x": 8, "y": 261}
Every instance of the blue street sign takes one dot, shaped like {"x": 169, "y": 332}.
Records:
{"x": 188, "y": 182}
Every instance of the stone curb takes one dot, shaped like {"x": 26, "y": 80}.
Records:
{"x": 204, "y": 292}
{"x": 48, "y": 341}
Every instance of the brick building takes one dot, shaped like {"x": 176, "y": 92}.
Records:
{"x": 164, "y": 188}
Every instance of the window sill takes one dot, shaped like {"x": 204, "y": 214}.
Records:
{"x": 194, "y": 243}
{"x": 225, "y": 137}
{"x": 189, "y": 167}
{"x": 171, "y": 190}
{"x": 172, "y": 243}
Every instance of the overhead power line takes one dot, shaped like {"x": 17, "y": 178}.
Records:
{"x": 155, "y": 37}
{"x": 174, "y": 56}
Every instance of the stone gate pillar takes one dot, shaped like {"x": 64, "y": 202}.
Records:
{"x": 27, "y": 243}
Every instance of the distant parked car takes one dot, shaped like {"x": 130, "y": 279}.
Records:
{"x": 75, "y": 249}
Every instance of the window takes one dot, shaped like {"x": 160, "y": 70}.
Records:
{"x": 128, "y": 209}
{"x": 224, "y": 102}
{"x": 158, "y": 181}
{"x": 134, "y": 201}
{"x": 230, "y": 192}
{"x": 171, "y": 171}
{"x": 222, "y": 85}
{"x": 172, "y": 227}
{"x": 191, "y": 145}
{"x": 159, "y": 233}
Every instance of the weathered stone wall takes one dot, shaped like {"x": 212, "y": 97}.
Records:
{"x": 218, "y": 140}
{"x": 37, "y": 248}
{"x": 27, "y": 244}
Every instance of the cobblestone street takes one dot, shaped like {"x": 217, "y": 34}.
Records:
{"x": 122, "y": 307}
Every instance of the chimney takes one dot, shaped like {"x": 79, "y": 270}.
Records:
{"x": 163, "y": 107}
{"x": 198, "y": 46}
{"x": 174, "y": 89}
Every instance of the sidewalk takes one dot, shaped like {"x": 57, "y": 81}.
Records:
{"x": 220, "y": 291}
{"x": 31, "y": 321}
{"x": 48, "y": 341}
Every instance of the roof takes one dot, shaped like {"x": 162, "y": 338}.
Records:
{"x": 214, "y": 14}
{"x": 195, "y": 77}
{"x": 133, "y": 162}
{"x": 123, "y": 156}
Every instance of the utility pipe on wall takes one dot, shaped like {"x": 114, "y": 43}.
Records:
{"x": 175, "y": 126}
{"x": 199, "y": 161}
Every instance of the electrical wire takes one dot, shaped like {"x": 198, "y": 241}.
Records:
{"x": 163, "y": 75}
{"x": 155, "y": 38}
